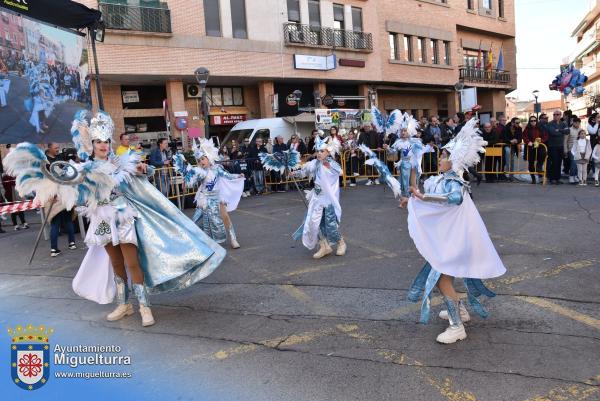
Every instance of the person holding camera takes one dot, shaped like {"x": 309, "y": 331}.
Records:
{"x": 59, "y": 217}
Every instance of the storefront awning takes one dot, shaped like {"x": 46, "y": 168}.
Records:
{"x": 61, "y": 13}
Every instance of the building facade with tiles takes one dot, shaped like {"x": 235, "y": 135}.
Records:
{"x": 405, "y": 54}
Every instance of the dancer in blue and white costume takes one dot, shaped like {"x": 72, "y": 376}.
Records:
{"x": 450, "y": 234}
{"x": 322, "y": 222}
{"x": 219, "y": 191}
{"x": 131, "y": 223}
{"x": 410, "y": 154}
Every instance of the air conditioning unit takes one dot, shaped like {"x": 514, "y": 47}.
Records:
{"x": 193, "y": 91}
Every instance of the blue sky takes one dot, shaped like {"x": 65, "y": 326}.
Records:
{"x": 544, "y": 30}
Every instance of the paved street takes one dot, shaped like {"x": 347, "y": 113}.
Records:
{"x": 272, "y": 324}
{"x": 14, "y": 119}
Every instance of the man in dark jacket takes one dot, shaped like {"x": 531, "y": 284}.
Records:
{"x": 556, "y": 130}
{"x": 373, "y": 140}
{"x": 255, "y": 166}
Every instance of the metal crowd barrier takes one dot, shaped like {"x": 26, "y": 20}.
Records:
{"x": 504, "y": 159}
{"x": 499, "y": 159}
{"x": 354, "y": 167}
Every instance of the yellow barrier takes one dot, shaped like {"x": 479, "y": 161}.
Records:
{"x": 168, "y": 181}
{"x": 354, "y": 167}
{"x": 500, "y": 159}
{"x": 530, "y": 160}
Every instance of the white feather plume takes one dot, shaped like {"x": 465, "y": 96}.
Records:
{"x": 126, "y": 166}
{"x": 205, "y": 147}
{"x": 466, "y": 147}
{"x": 411, "y": 125}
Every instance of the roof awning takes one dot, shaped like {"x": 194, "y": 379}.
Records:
{"x": 61, "y": 13}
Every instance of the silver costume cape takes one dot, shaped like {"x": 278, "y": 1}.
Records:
{"x": 174, "y": 253}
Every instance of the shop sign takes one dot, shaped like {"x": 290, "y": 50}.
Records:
{"x": 227, "y": 119}
{"x": 131, "y": 97}
{"x": 291, "y": 100}
{"x": 321, "y": 63}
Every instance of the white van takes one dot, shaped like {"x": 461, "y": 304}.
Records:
{"x": 260, "y": 128}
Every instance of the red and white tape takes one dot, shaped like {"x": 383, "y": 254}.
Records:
{"x": 14, "y": 207}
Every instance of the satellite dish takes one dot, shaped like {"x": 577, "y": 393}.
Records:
{"x": 459, "y": 86}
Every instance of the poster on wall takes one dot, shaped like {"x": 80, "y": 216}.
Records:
{"x": 341, "y": 118}
{"x": 43, "y": 80}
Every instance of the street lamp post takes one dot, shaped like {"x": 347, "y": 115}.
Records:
{"x": 202, "y": 75}
{"x": 536, "y": 108}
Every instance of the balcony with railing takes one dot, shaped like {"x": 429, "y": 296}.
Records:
{"x": 480, "y": 75}
{"x": 316, "y": 36}
{"x": 135, "y": 18}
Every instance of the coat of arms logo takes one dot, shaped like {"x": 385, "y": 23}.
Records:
{"x": 30, "y": 356}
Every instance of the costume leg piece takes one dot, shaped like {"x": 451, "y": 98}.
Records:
{"x": 430, "y": 284}
{"x": 232, "y": 238}
{"x": 456, "y": 330}
{"x": 142, "y": 296}
{"x": 124, "y": 307}
{"x": 330, "y": 226}
{"x": 418, "y": 284}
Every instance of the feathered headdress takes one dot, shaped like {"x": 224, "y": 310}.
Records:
{"x": 205, "y": 147}
{"x": 408, "y": 122}
{"x": 465, "y": 148}
{"x": 330, "y": 144}
{"x": 101, "y": 127}
{"x": 390, "y": 124}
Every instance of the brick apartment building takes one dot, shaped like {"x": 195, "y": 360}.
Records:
{"x": 405, "y": 54}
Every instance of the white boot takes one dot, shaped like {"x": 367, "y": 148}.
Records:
{"x": 324, "y": 249}
{"x": 142, "y": 296}
{"x": 456, "y": 330}
{"x": 124, "y": 308}
{"x": 452, "y": 334}
{"x": 233, "y": 239}
{"x": 464, "y": 313}
{"x": 120, "y": 312}
{"x": 341, "y": 248}
{"x": 147, "y": 318}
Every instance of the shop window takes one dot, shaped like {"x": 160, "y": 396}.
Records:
{"x": 227, "y": 96}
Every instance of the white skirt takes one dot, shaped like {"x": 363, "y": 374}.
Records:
{"x": 113, "y": 223}
{"x": 453, "y": 239}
